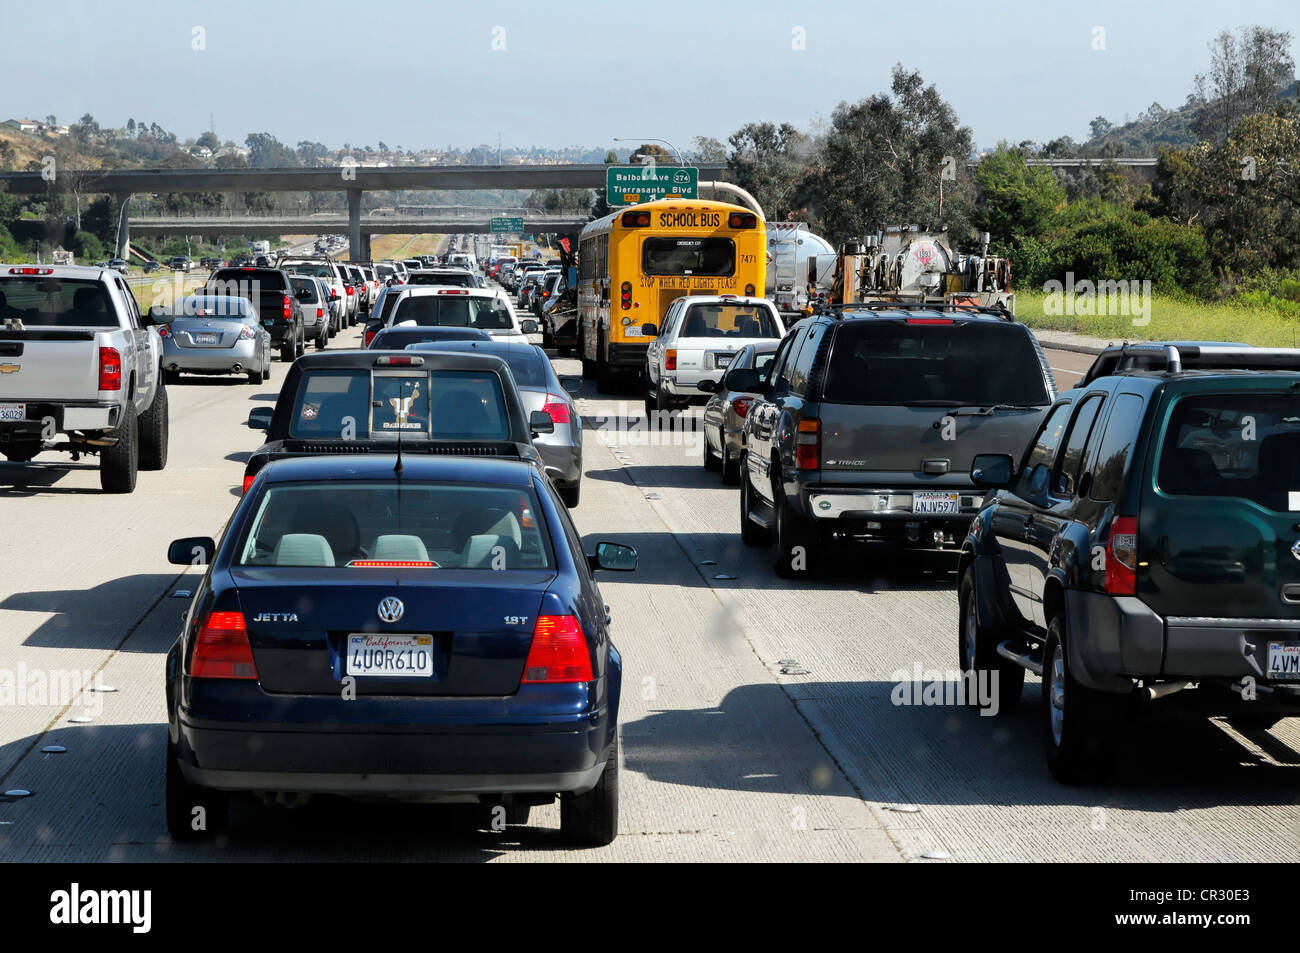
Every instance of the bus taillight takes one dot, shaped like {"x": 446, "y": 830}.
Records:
{"x": 627, "y": 295}
{"x": 636, "y": 219}
{"x": 742, "y": 220}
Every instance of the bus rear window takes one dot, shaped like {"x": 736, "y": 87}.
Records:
{"x": 709, "y": 257}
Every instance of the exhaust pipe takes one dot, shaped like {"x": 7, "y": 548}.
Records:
{"x": 1165, "y": 689}
{"x": 238, "y": 367}
{"x": 174, "y": 366}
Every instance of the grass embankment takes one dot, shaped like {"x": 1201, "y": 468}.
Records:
{"x": 1171, "y": 319}
{"x": 162, "y": 288}
{"x": 406, "y": 246}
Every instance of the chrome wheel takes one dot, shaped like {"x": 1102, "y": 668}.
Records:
{"x": 1056, "y": 693}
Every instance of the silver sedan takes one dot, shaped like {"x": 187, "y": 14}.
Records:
{"x": 724, "y": 415}
{"x": 213, "y": 334}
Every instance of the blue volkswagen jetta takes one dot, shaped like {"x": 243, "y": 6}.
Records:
{"x": 422, "y": 626}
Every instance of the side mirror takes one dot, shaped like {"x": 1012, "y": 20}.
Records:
{"x": 745, "y": 379}
{"x": 539, "y": 421}
{"x": 191, "y": 551}
{"x": 649, "y": 329}
{"x": 614, "y": 557}
{"x": 259, "y": 418}
{"x": 709, "y": 387}
{"x": 992, "y": 471}
{"x": 528, "y": 326}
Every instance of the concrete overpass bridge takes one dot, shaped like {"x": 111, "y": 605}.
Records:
{"x": 351, "y": 179}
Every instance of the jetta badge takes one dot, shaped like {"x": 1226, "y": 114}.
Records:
{"x": 1295, "y": 549}
{"x": 391, "y": 609}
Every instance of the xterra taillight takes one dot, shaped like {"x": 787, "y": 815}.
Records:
{"x": 808, "y": 444}
{"x": 110, "y": 369}
{"x": 559, "y": 651}
{"x": 1121, "y": 556}
{"x": 222, "y": 649}
{"x": 288, "y": 307}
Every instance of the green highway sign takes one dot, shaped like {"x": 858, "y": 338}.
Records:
{"x": 507, "y": 224}
{"x": 634, "y": 184}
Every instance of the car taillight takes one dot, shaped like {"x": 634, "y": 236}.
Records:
{"x": 808, "y": 444}
{"x": 222, "y": 649}
{"x": 246, "y": 332}
{"x": 110, "y": 369}
{"x": 741, "y": 406}
{"x": 164, "y": 331}
{"x": 627, "y": 295}
{"x": 1121, "y": 557}
{"x": 248, "y": 481}
{"x": 370, "y": 336}
{"x": 559, "y": 651}
{"x": 670, "y": 359}
{"x": 320, "y": 312}
{"x": 930, "y": 321}
{"x": 350, "y": 289}
{"x": 288, "y": 307}
{"x": 558, "y": 408}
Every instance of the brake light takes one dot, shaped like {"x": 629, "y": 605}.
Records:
{"x": 350, "y": 289}
{"x": 164, "y": 331}
{"x": 636, "y": 219}
{"x": 222, "y": 649}
{"x": 110, "y": 369}
{"x": 930, "y": 321}
{"x": 741, "y": 406}
{"x": 626, "y": 289}
{"x": 742, "y": 220}
{"x": 559, "y": 651}
{"x": 808, "y": 444}
{"x": 393, "y": 564}
{"x": 452, "y": 291}
{"x": 370, "y": 336}
{"x": 399, "y": 360}
{"x": 670, "y": 359}
{"x": 248, "y": 481}
{"x": 320, "y": 312}
{"x": 31, "y": 271}
{"x": 1121, "y": 557}
{"x": 246, "y": 332}
{"x": 288, "y": 307}
{"x": 557, "y": 408}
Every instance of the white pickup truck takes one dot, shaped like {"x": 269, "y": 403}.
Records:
{"x": 77, "y": 358}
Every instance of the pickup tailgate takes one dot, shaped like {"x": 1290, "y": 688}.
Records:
{"x": 53, "y": 365}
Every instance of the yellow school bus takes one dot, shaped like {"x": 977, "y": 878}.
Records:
{"x": 635, "y": 262}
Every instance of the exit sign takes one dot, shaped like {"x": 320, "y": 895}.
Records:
{"x": 507, "y": 224}
{"x": 634, "y": 184}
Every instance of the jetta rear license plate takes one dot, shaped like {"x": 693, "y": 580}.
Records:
{"x": 1284, "y": 660}
{"x": 13, "y": 411}
{"x": 936, "y": 503}
{"x": 392, "y": 656}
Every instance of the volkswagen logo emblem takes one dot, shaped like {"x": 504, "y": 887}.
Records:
{"x": 391, "y": 609}
{"x": 1295, "y": 549}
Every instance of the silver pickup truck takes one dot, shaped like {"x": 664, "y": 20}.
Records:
{"x": 77, "y": 358}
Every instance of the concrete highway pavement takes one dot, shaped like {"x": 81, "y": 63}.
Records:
{"x": 758, "y": 719}
{"x": 718, "y": 763}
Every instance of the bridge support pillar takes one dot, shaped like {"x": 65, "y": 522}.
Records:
{"x": 365, "y": 247}
{"x": 354, "y": 225}
{"x": 123, "y": 201}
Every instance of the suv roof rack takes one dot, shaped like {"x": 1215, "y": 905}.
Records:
{"x": 836, "y": 310}
{"x": 1174, "y": 357}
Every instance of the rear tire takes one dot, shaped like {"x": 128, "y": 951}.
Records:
{"x": 188, "y": 806}
{"x": 977, "y": 651}
{"x": 288, "y": 352}
{"x": 171, "y": 377}
{"x": 120, "y": 463}
{"x": 1079, "y": 738}
{"x": 256, "y": 377}
{"x": 795, "y": 554}
{"x": 571, "y": 495}
{"x": 712, "y": 462}
{"x": 730, "y": 468}
{"x": 154, "y": 429}
{"x": 591, "y": 819}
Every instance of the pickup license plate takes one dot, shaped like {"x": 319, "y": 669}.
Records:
{"x": 722, "y": 361}
{"x": 13, "y": 411}
{"x": 390, "y": 656}
{"x": 1284, "y": 660}
{"x": 206, "y": 338}
{"x": 936, "y": 503}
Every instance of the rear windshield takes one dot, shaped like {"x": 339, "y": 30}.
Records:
{"x": 212, "y": 306}
{"x": 968, "y": 363}
{"x": 448, "y": 526}
{"x": 305, "y": 284}
{"x": 456, "y": 279}
{"x": 689, "y": 256}
{"x": 310, "y": 269}
{"x": 52, "y": 302}
{"x": 385, "y": 271}
{"x": 249, "y": 279}
{"x": 362, "y": 403}
{"x": 1242, "y": 445}
{"x": 728, "y": 321}
{"x": 455, "y": 311}
{"x": 395, "y": 339}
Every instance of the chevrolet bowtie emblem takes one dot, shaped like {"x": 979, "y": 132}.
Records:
{"x": 10, "y": 368}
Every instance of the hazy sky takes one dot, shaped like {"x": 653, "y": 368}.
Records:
{"x": 432, "y": 74}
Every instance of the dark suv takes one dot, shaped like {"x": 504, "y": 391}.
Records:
{"x": 1147, "y": 542}
{"x": 868, "y": 418}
